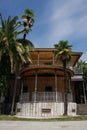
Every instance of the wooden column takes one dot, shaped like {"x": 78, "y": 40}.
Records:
{"x": 70, "y": 85}
{"x": 35, "y": 96}
{"x": 38, "y": 58}
{"x": 21, "y": 91}
{"x": 56, "y": 85}
{"x": 53, "y": 57}
{"x": 84, "y": 92}
{"x": 70, "y": 89}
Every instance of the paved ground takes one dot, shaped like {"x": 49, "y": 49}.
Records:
{"x": 25, "y": 125}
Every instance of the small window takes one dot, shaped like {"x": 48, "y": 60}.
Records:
{"x": 48, "y": 89}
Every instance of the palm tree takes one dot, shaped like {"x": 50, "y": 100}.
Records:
{"x": 63, "y": 53}
{"x": 14, "y": 49}
{"x": 28, "y": 21}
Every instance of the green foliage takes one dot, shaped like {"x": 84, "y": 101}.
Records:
{"x": 60, "y": 118}
{"x": 28, "y": 12}
{"x": 12, "y": 52}
{"x": 63, "y": 52}
{"x": 83, "y": 65}
{"x": 85, "y": 70}
{"x": 17, "y": 51}
{"x": 3, "y": 84}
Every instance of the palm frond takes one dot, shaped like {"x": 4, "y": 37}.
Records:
{"x": 63, "y": 51}
{"x": 26, "y": 43}
{"x": 29, "y": 12}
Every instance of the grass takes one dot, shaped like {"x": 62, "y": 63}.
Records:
{"x": 65, "y": 118}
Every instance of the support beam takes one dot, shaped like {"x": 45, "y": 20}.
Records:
{"x": 38, "y": 59}
{"x": 21, "y": 92}
{"x": 56, "y": 85}
{"x": 70, "y": 90}
{"x": 53, "y": 58}
{"x": 35, "y": 98}
{"x": 84, "y": 92}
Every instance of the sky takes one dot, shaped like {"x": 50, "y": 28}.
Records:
{"x": 55, "y": 20}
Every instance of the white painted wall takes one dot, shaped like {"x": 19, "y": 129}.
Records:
{"x": 35, "y": 109}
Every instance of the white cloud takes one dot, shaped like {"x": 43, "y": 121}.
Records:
{"x": 68, "y": 19}
{"x": 62, "y": 20}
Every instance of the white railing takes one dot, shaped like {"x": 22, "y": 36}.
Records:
{"x": 44, "y": 97}
{"x": 78, "y": 70}
{"x": 24, "y": 97}
{"x": 47, "y": 96}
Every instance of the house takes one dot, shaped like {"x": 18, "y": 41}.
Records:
{"x": 40, "y": 89}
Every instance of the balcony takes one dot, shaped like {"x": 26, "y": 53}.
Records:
{"x": 78, "y": 70}
{"x": 53, "y": 63}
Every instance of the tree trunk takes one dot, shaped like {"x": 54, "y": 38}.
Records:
{"x": 65, "y": 89}
{"x": 14, "y": 93}
{"x": 24, "y": 36}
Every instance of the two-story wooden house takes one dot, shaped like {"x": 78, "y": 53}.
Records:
{"x": 40, "y": 88}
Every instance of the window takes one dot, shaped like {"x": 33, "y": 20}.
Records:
{"x": 48, "y": 89}
{"x": 25, "y": 89}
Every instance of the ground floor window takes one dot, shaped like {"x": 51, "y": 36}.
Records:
{"x": 48, "y": 89}
{"x": 25, "y": 89}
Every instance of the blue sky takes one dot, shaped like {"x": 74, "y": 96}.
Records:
{"x": 56, "y": 20}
